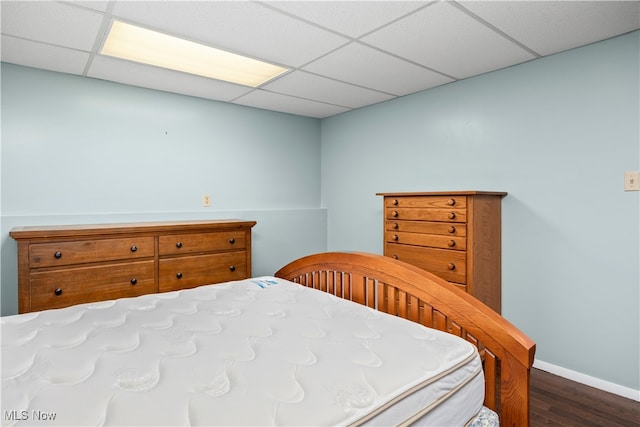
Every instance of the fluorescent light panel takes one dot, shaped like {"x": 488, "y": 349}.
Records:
{"x": 138, "y": 44}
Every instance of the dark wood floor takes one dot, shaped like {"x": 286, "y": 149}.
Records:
{"x": 556, "y": 401}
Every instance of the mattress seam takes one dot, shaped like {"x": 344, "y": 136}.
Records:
{"x": 420, "y": 386}
{"x": 442, "y": 399}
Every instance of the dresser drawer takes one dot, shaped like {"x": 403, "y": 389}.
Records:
{"x": 191, "y": 271}
{"x": 70, "y": 264}
{"x": 427, "y": 227}
{"x": 69, "y": 286}
{"x": 447, "y": 264}
{"x": 202, "y": 242}
{"x": 425, "y": 214}
{"x": 430, "y": 240}
{"x": 426, "y": 202}
{"x": 86, "y": 251}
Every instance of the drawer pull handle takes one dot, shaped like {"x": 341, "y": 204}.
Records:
{"x": 395, "y": 226}
{"x": 451, "y": 202}
{"x": 451, "y": 266}
{"x": 179, "y": 245}
{"x": 395, "y": 202}
{"x": 134, "y": 248}
{"x": 452, "y": 215}
{"x": 134, "y": 281}
{"x": 232, "y": 240}
{"x": 58, "y": 292}
{"x": 232, "y": 268}
{"x": 395, "y": 256}
{"x": 179, "y": 275}
{"x": 58, "y": 255}
{"x": 394, "y": 214}
{"x": 395, "y": 237}
{"x": 452, "y": 243}
{"x": 452, "y": 229}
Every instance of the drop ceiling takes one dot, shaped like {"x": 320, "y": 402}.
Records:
{"x": 342, "y": 55}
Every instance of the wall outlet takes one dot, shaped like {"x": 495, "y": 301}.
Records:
{"x": 206, "y": 200}
{"x": 632, "y": 181}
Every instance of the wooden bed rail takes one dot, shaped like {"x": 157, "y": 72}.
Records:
{"x": 403, "y": 290}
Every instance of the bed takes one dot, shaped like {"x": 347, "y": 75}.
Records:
{"x": 268, "y": 351}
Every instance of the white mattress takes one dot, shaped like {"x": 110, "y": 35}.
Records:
{"x": 255, "y": 352}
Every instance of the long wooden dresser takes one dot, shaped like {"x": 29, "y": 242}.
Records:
{"x": 455, "y": 235}
{"x": 59, "y": 266}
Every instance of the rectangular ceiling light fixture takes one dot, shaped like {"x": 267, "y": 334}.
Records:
{"x": 138, "y": 44}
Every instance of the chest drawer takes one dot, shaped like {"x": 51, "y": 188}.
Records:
{"x": 65, "y": 287}
{"x": 459, "y": 202}
{"x": 427, "y": 227}
{"x": 431, "y": 240}
{"x": 453, "y": 234}
{"x": 201, "y": 242}
{"x": 191, "y": 271}
{"x": 450, "y": 265}
{"x": 425, "y": 214}
{"x": 86, "y": 251}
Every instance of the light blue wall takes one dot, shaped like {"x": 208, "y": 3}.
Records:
{"x": 557, "y": 134}
{"x": 79, "y": 150}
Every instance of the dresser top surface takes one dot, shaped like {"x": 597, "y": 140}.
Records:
{"x": 39, "y": 232}
{"x": 445, "y": 193}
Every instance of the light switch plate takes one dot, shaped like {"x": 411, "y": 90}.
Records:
{"x": 632, "y": 181}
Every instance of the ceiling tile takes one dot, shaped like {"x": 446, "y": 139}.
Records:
{"x": 102, "y": 6}
{"x": 552, "y": 26}
{"x": 288, "y": 104}
{"x": 310, "y": 86}
{"x": 239, "y": 26}
{"x": 46, "y": 57}
{"x": 352, "y": 18}
{"x": 150, "y": 77}
{"x": 51, "y": 22}
{"x": 368, "y": 67}
{"x": 444, "y": 38}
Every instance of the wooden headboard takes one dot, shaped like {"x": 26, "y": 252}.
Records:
{"x": 403, "y": 290}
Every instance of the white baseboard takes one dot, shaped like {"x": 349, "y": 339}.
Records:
{"x": 607, "y": 386}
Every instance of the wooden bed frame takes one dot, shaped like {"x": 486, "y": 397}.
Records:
{"x": 403, "y": 290}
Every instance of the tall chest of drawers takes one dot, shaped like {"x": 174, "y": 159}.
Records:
{"x": 59, "y": 266}
{"x": 455, "y": 235}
